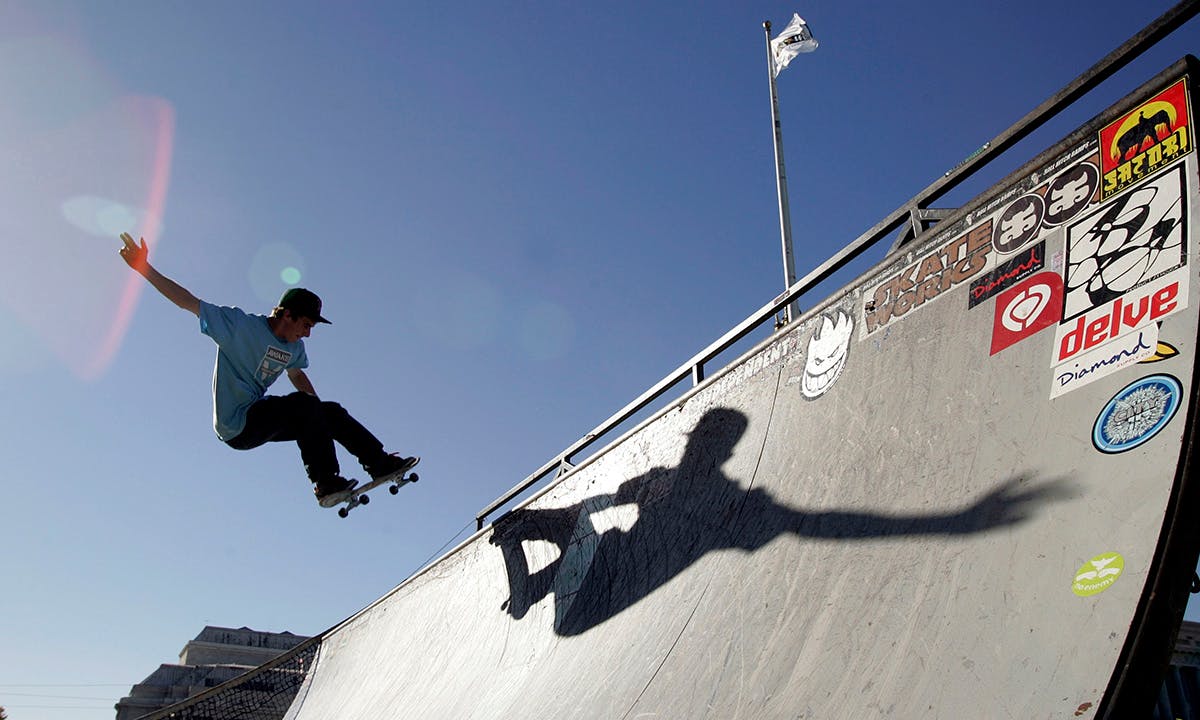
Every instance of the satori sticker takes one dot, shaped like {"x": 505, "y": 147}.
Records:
{"x": 1098, "y": 574}
{"x": 1150, "y": 137}
{"x": 1137, "y": 413}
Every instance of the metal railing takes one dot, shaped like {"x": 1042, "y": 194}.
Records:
{"x": 913, "y": 216}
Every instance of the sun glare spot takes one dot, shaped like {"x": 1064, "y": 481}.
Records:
{"x": 114, "y": 140}
{"x": 101, "y": 217}
{"x": 275, "y": 267}
{"x": 290, "y": 276}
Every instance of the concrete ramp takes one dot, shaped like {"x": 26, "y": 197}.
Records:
{"x": 961, "y": 488}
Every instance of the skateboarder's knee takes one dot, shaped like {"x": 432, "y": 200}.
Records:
{"x": 305, "y": 402}
{"x": 331, "y": 409}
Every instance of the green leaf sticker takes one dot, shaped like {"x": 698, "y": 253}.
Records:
{"x": 1098, "y": 574}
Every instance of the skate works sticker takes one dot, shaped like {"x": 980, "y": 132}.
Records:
{"x": 928, "y": 278}
{"x": 1026, "y": 309}
{"x": 1098, "y": 574}
{"x": 1150, "y": 137}
{"x": 1137, "y": 413}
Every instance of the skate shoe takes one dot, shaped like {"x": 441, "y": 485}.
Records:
{"x": 391, "y": 465}
{"x": 332, "y": 490}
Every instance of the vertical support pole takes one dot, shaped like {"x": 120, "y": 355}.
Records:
{"x": 785, "y": 216}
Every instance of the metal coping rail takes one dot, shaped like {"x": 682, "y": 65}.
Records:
{"x": 912, "y": 212}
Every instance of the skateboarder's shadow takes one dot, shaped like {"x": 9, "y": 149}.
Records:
{"x": 682, "y": 514}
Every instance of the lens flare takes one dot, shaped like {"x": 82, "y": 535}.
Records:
{"x": 84, "y": 161}
{"x": 101, "y": 217}
{"x": 291, "y": 276}
{"x": 275, "y": 267}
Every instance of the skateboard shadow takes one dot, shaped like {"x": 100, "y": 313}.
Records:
{"x": 684, "y": 513}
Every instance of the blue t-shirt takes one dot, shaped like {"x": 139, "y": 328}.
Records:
{"x": 249, "y": 359}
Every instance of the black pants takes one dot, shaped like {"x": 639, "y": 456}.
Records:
{"x": 314, "y": 425}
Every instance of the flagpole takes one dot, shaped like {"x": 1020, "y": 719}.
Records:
{"x": 792, "y": 310}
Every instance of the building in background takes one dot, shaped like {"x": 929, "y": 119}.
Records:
{"x": 1179, "y": 698}
{"x": 215, "y": 656}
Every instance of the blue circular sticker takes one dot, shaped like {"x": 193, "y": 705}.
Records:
{"x": 1137, "y": 413}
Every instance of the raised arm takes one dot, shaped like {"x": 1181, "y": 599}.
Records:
{"x": 138, "y": 258}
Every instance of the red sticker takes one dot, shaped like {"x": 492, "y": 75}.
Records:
{"x": 1154, "y": 135}
{"x": 1026, "y": 309}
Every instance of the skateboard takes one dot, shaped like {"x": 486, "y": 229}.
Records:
{"x": 358, "y": 496}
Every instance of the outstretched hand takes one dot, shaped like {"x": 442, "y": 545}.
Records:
{"x": 134, "y": 255}
{"x": 1008, "y": 504}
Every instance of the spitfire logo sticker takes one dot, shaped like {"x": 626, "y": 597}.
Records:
{"x": 827, "y": 353}
{"x": 1137, "y": 413}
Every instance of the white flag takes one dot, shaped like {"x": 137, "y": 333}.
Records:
{"x": 796, "y": 38}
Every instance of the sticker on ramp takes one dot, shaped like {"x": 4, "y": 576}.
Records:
{"x": 1137, "y": 413}
{"x": 1098, "y": 574}
{"x": 827, "y": 353}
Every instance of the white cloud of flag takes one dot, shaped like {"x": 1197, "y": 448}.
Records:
{"x": 796, "y": 38}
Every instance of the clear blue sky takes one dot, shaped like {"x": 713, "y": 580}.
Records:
{"x": 520, "y": 216}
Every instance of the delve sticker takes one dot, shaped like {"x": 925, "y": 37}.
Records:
{"x": 1137, "y": 413}
{"x": 1098, "y": 574}
{"x": 1142, "y": 347}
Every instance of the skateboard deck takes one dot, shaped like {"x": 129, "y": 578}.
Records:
{"x": 358, "y": 496}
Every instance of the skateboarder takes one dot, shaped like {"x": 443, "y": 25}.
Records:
{"x": 252, "y": 351}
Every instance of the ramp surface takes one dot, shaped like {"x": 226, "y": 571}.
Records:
{"x": 953, "y": 491}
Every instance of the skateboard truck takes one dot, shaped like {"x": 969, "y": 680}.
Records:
{"x": 358, "y": 496}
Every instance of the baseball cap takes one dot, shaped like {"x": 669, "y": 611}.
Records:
{"x": 304, "y": 303}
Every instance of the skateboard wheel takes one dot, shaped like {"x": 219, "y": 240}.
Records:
{"x": 363, "y": 499}
{"x": 414, "y": 477}
{"x": 343, "y": 512}
{"x": 394, "y": 489}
